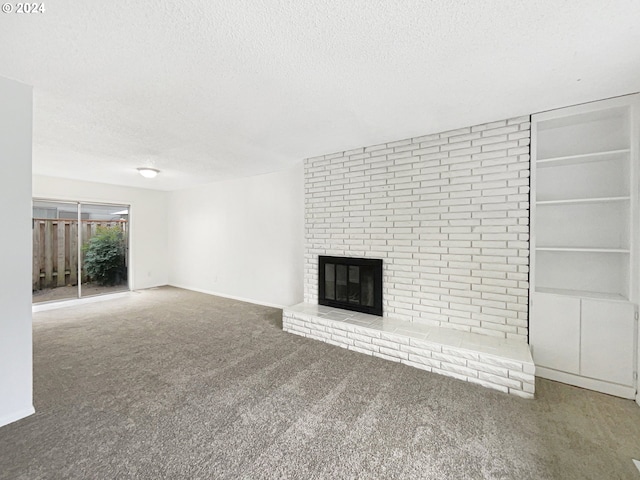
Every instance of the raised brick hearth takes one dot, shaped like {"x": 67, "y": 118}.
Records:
{"x": 500, "y": 364}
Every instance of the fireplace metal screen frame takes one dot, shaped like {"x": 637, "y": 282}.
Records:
{"x": 376, "y": 263}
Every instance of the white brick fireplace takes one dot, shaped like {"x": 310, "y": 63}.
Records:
{"x": 449, "y": 215}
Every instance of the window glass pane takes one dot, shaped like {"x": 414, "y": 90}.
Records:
{"x": 105, "y": 244}
{"x": 55, "y": 251}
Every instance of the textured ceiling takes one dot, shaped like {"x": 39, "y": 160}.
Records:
{"x": 206, "y": 90}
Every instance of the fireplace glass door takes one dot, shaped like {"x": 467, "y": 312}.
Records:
{"x": 351, "y": 283}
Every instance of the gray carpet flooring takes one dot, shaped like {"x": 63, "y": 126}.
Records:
{"x": 168, "y": 383}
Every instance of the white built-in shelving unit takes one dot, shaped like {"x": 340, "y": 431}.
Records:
{"x": 584, "y": 244}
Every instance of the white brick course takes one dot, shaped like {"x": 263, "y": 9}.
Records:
{"x": 448, "y": 213}
{"x": 500, "y": 364}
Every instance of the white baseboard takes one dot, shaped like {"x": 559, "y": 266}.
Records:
{"x": 15, "y": 416}
{"x": 224, "y": 295}
{"x": 588, "y": 383}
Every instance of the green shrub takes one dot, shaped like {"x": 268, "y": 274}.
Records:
{"x": 104, "y": 259}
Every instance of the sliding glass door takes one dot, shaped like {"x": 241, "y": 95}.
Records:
{"x": 79, "y": 249}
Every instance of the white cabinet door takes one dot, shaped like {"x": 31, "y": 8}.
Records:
{"x": 607, "y": 341}
{"x": 555, "y": 332}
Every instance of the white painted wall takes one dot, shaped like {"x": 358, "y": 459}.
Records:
{"x": 635, "y": 188}
{"x": 148, "y": 230}
{"x": 240, "y": 238}
{"x": 15, "y": 255}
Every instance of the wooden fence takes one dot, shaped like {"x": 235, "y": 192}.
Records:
{"x": 55, "y": 249}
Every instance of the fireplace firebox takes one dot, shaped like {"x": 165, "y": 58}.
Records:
{"x": 350, "y": 283}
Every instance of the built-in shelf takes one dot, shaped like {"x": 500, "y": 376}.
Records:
{"x": 584, "y": 224}
{"x": 583, "y": 200}
{"x": 578, "y": 249}
{"x": 581, "y": 293}
{"x": 584, "y": 157}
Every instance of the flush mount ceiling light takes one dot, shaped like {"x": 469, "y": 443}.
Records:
{"x": 147, "y": 172}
